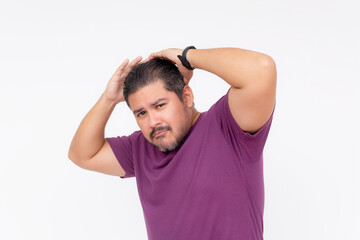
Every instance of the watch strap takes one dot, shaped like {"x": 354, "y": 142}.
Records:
{"x": 183, "y": 59}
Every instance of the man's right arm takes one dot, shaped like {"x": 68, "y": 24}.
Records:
{"x": 89, "y": 149}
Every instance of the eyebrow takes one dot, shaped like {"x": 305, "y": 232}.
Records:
{"x": 154, "y": 103}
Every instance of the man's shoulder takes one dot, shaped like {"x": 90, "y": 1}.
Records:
{"x": 136, "y": 136}
{"x": 219, "y": 106}
{"x": 129, "y": 138}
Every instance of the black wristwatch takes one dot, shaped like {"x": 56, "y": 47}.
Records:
{"x": 183, "y": 59}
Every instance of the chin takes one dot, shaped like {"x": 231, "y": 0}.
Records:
{"x": 167, "y": 147}
{"x": 163, "y": 145}
{"x": 170, "y": 146}
{"x": 168, "y": 143}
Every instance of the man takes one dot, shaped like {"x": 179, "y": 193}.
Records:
{"x": 199, "y": 175}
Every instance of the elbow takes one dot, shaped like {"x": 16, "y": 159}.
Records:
{"x": 72, "y": 156}
{"x": 267, "y": 62}
{"x": 268, "y": 67}
{"x": 75, "y": 158}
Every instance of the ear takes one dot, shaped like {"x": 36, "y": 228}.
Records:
{"x": 188, "y": 96}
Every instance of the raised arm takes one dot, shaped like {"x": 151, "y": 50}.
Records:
{"x": 89, "y": 148}
{"x": 251, "y": 75}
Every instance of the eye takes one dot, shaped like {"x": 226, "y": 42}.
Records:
{"x": 140, "y": 114}
{"x": 160, "y": 105}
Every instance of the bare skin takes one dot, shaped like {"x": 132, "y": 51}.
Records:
{"x": 89, "y": 148}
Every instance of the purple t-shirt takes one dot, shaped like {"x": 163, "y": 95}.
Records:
{"x": 211, "y": 187}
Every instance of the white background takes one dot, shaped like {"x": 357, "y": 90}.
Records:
{"x": 56, "y": 58}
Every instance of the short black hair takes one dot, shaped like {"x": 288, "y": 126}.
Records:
{"x": 152, "y": 71}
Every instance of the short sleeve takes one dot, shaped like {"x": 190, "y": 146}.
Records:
{"x": 248, "y": 147}
{"x": 122, "y": 148}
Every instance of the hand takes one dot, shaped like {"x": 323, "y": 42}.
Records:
{"x": 171, "y": 55}
{"x": 114, "y": 88}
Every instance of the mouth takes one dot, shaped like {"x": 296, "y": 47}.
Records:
{"x": 160, "y": 133}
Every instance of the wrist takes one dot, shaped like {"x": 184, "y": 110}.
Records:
{"x": 106, "y": 101}
{"x": 184, "y": 60}
{"x": 190, "y": 57}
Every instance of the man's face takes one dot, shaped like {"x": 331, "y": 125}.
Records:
{"x": 163, "y": 119}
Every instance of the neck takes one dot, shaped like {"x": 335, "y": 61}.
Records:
{"x": 195, "y": 116}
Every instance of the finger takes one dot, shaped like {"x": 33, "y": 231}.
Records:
{"x": 123, "y": 65}
{"x": 162, "y": 55}
{"x": 156, "y": 55}
{"x": 146, "y": 60}
{"x": 131, "y": 65}
{"x": 120, "y": 69}
{"x": 135, "y": 62}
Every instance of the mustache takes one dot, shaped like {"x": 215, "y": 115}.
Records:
{"x": 161, "y": 128}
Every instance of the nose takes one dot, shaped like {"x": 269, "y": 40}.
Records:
{"x": 154, "y": 119}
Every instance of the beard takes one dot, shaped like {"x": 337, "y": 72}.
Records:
{"x": 183, "y": 129}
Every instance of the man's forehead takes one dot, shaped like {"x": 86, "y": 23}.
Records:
{"x": 149, "y": 95}
{"x": 157, "y": 101}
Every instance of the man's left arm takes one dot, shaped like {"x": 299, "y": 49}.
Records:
{"x": 252, "y": 77}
